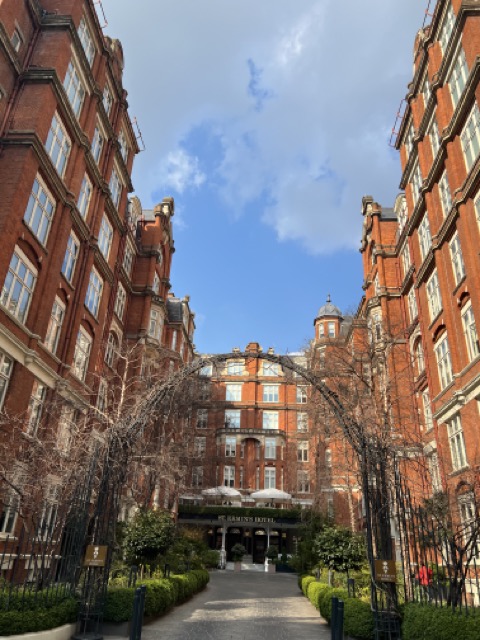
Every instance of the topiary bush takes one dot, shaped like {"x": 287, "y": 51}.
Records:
{"x": 38, "y": 619}
{"x": 325, "y": 601}
{"x": 313, "y": 592}
{"x": 358, "y": 621}
{"x": 306, "y": 580}
{"x": 161, "y": 595}
{"x": 427, "y": 622}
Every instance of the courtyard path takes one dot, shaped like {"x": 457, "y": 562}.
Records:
{"x": 242, "y": 606}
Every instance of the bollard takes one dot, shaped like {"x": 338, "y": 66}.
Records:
{"x": 351, "y": 587}
{"x": 132, "y": 576}
{"x": 333, "y": 621}
{"x": 138, "y": 609}
{"x": 166, "y": 570}
{"x": 340, "y": 615}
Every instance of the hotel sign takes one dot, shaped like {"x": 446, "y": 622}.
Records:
{"x": 254, "y": 519}
{"x": 385, "y": 571}
{"x": 95, "y": 556}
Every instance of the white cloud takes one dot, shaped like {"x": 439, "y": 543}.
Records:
{"x": 299, "y": 96}
{"x": 180, "y": 171}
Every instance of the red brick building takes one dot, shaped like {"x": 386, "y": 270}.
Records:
{"x": 83, "y": 270}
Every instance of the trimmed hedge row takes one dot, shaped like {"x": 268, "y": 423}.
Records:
{"x": 427, "y": 622}
{"x": 358, "y": 621}
{"x": 38, "y": 618}
{"x": 161, "y": 595}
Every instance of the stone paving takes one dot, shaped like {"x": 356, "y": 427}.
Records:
{"x": 242, "y": 606}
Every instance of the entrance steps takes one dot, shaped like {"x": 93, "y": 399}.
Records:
{"x": 246, "y": 566}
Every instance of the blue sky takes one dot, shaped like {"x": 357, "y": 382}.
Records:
{"x": 267, "y": 121}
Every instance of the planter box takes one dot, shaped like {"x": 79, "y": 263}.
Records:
{"x": 60, "y": 633}
{"x": 272, "y": 568}
{"x": 238, "y": 566}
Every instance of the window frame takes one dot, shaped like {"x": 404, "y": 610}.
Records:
{"x": 458, "y": 265}
{"x": 81, "y": 356}
{"x": 456, "y": 443}
{"x": 58, "y": 147}
{"x": 434, "y": 296}
{"x": 233, "y": 392}
{"x": 470, "y": 331}
{"x": 40, "y": 224}
{"x": 270, "y": 420}
{"x": 55, "y": 324}
{"x": 70, "y": 258}
{"x": 74, "y": 79}
{"x": 270, "y": 393}
{"x": 27, "y": 286}
{"x": 105, "y": 237}
{"x": 444, "y": 361}
{"x": 93, "y": 297}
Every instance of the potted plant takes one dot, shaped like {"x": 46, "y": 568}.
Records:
{"x": 238, "y": 551}
{"x": 272, "y": 555}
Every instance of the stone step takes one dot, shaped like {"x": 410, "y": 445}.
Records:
{"x": 246, "y": 566}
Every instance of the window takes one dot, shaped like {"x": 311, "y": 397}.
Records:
{"x": 444, "y": 362}
{"x": 128, "y": 260}
{"x": 202, "y": 418}
{"x": 457, "y": 443}
{"x": 19, "y": 285}
{"x": 71, "y": 255}
{"x": 331, "y": 329}
{"x": 270, "y": 478}
{"x": 87, "y": 41}
{"x": 232, "y": 419}
{"x": 457, "y": 259}
{"x": 84, "y": 196}
{"x": 469, "y": 518}
{"x": 470, "y": 137}
{"x": 200, "y": 445}
{"x": 97, "y": 143}
{"x": 270, "y": 419}
{"x": 419, "y": 357}
{"x": 321, "y": 330}
{"x": 412, "y": 304}
{"x": 6, "y": 366}
{"x": 234, "y": 368}
{"x": 74, "y": 88}
{"x": 174, "y": 345}
{"x": 55, "y": 323}
{"x": 233, "y": 392}
{"x": 16, "y": 40}
{"x": 302, "y": 451}
{"x": 470, "y": 330}
{"x": 270, "y": 448}
{"x": 270, "y": 369}
{"x": 427, "y": 410}
{"x": 230, "y": 446}
{"x": 197, "y": 477}
{"x": 48, "y": 519}
{"x": 156, "y": 284}
{"x": 81, "y": 356}
{"x": 122, "y": 141}
{"x": 426, "y": 90}
{"x": 94, "y": 292}
{"x": 40, "y": 209}
{"x": 424, "y": 236}
{"x": 229, "y": 476}
{"x": 476, "y": 205}
{"x": 435, "y": 476}
{"x": 205, "y": 371}
{"x": 328, "y": 458}
{"x": 105, "y": 237}
{"x": 445, "y": 194}
{"x": 102, "y": 396}
{"x": 458, "y": 77}
{"x": 446, "y": 29}
{"x": 156, "y": 324}
{"x": 433, "y": 296}
{"x": 107, "y": 99}
{"x": 302, "y": 421}
{"x": 303, "y": 482}
{"x": 406, "y": 259}
{"x": 120, "y": 301}
{"x": 416, "y": 183}
{"x": 409, "y": 139}
{"x": 270, "y": 393}
{"x": 434, "y": 136}
{"x": 35, "y": 407}
{"x": 115, "y": 185}
{"x": 301, "y": 395}
{"x": 8, "y": 513}
{"x": 66, "y": 429}
{"x": 112, "y": 350}
{"x": 402, "y": 215}
{"x": 58, "y": 145}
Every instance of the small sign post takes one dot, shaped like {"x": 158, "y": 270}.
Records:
{"x": 95, "y": 556}
{"x": 385, "y": 571}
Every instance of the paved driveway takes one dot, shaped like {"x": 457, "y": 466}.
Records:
{"x": 243, "y": 606}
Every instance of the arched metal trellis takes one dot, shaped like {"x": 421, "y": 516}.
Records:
{"x": 371, "y": 453}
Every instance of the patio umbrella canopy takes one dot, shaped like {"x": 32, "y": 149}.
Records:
{"x": 271, "y": 495}
{"x": 221, "y": 492}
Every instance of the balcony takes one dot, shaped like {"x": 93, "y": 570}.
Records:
{"x": 251, "y": 433}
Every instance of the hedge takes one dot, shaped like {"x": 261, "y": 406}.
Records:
{"x": 427, "y": 622}
{"x": 161, "y": 595}
{"x": 38, "y": 619}
{"x": 305, "y": 581}
{"x": 314, "y": 591}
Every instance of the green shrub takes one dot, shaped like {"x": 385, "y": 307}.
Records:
{"x": 161, "y": 595}
{"x": 313, "y": 592}
{"x": 358, "y": 621}
{"x": 38, "y": 619}
{"x": 306, "y": 580}
{"x": 325, "y": 601}
{"x": 427, "y": 622}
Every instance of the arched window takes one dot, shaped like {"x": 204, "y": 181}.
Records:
{"x": 112, "y": 350}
